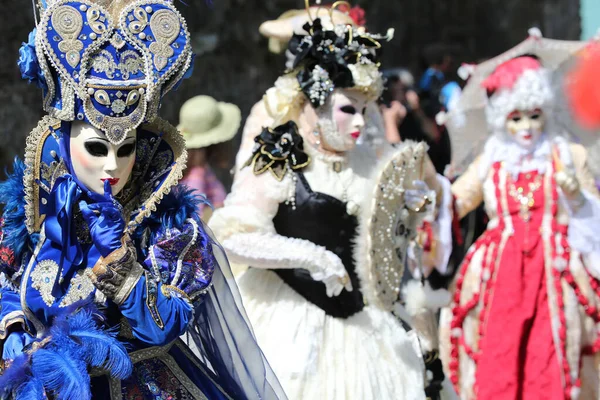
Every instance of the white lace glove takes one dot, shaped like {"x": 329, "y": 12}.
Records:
{"x": 334, "y": 276}
{"x": 420, "y": 199}
{"x": 272, "y": 251}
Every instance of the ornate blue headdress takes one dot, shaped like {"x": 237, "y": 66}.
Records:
{"x": 110, "y": 62}
{"x": 107, "y": 63}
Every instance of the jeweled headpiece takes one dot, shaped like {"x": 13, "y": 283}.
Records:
{"x": 342, "y": 57}
{"x": 109, "y": 62}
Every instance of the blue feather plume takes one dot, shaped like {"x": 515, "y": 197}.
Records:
{"x": 61, "y": 374}
{"x": 175, "y": 208}
{"x": 12, "y": 195}
{"x": 99, "y": 348}
{"x": 31, "y": 390}
{"x": 60, "y": 367}
{"x": 17, "y": 375}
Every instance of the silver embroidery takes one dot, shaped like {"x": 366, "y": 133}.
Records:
{"x": 43, "y": 277}
{"x": 95, "y": 20}
{"x": 117, "y": 41}
{"x": 37, "y": 324}
{"x": 115, "y": 128}
{"x": 182, "y": 255}
{"x": 104, "y": 62}
{"x": 182, "y": 377}
{"x": 50, "y": 173}
{"x": 80, "y": 289}
{"x": 140, "y": 22}
{"x": 162, "y": 353}
{"x": 131, "y": 63}
{"x": 165, "y": 27}
{"x": 68, "y": 22}
{"x": 186, "y": 349}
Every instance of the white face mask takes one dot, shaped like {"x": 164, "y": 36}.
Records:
{"x": 525, "y": 127}
{"x": 95, "y": 159}
{"x": 341, "y": 120}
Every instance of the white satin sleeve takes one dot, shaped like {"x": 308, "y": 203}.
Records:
{"x": 244, "y": 226}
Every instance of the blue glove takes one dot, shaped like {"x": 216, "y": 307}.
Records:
{"x": 105, "y": 221}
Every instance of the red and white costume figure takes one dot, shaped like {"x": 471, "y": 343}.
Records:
{"x": 524, "y": 316}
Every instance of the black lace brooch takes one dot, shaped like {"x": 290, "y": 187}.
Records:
{"x": 278, "y": 150}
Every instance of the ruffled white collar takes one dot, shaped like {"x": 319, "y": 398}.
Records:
{"x": 516, "y": 158}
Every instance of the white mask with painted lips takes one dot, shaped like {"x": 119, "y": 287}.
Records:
{"x": 526, "y": 127}
{"x": 95, "y": 159}
{"x": 341, "y": 120}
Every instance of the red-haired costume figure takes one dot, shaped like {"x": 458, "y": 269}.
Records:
{"x": 524, "y": 317}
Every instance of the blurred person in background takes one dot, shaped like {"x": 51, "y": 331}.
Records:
{"x": 208, "y": 127}
{"x": 406, "y": 118}
{"x": 438, "y": 91}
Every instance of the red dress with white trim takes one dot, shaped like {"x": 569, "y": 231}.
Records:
{"x": 523, "y": 320}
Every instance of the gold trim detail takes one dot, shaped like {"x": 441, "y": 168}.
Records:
{"x": 33, "y": 154}
{"x": 187, "y": 383}
{"x": 177, "y": 144}
{"x": 168, "y": 290}
{"x": 129, "y": 283}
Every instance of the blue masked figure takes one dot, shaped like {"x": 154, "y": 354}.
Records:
{"x": 110, "y": 285}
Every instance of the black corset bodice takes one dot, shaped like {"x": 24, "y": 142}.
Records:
{"x": 323, "y": 220}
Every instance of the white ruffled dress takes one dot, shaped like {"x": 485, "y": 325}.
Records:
{"x": 367, "y": 356}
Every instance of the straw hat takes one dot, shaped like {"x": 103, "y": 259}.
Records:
{"x": 203, "y": 121}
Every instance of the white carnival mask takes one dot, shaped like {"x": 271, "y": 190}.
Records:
{"x": 525, "y": 127}
{"x": 341, "y": 120}
{"x": 96, "y": 160}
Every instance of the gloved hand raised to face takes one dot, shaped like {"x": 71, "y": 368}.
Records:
{"x": 105, "y": 221}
